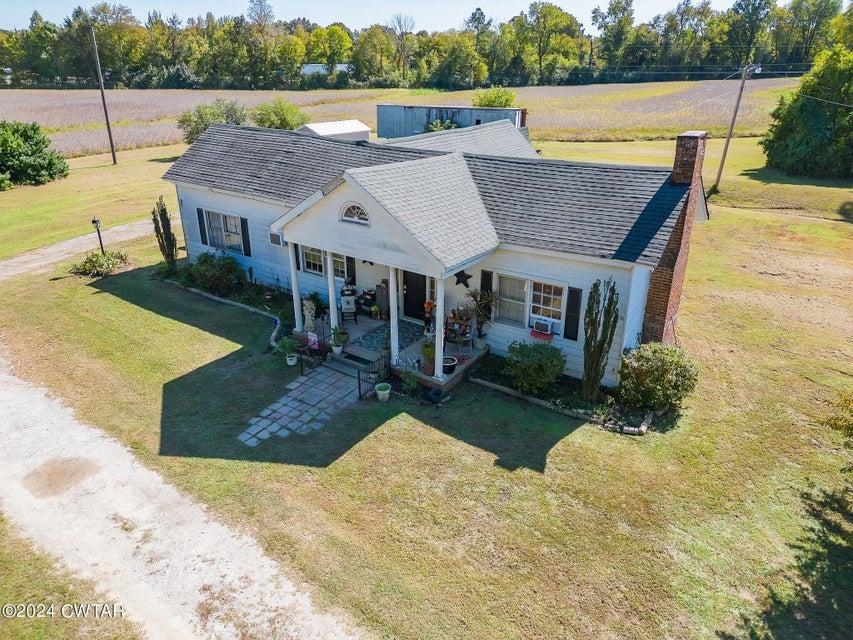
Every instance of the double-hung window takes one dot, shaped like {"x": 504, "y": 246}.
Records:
{"x": 512, "y": 299}
{"x": 312, "y": 260}
{"x": 546, "y": 301}
{"x": 224, "y": 231}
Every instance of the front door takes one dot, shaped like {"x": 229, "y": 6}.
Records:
{"x": 414, "y": 295}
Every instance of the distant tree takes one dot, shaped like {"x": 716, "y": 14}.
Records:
{"x": 812, "y": 131}
{"x": 372, "y": 52}
{"x": 810, "y": 23}
{"x": 599, "y": 324}
{"x": 279, "y": 114}
{"x": 747, "y": 22}
{"x": 291, "y": 56}
{"x": 25, "y": 156}
{"x": 494, "y": 97}
{"x": 166, "y": 240}
{"x": 261, "y": 15}
{"x": 481, "y": 26}
{"x": 338, "y": 47}
{"x": 401, "y": 26}
{"x": 196, "y": 121}
{"x": 548, "y": 25}
{"x": 616, "y": 25}
{"x": 461, "y": 67}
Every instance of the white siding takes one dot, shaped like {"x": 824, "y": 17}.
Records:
{"x": 636, "y": 313}
{"x": 269, "y": 262}
{"x": 567, "y": 272}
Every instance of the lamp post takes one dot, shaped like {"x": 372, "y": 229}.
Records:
{"x": 97, "y": 224}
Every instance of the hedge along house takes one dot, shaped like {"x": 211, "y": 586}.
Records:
{"x": 474, "y": 207}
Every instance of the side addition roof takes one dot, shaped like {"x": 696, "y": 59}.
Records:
{"x": 606, "y": 211}
{"x": 436, "y": 200}
{"x": 500, "y": 138}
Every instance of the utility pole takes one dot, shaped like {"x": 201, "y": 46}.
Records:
{"x": 103, "y": 95}
{"x": 744, "y": 73}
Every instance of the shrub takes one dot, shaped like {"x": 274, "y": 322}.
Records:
{"x": 534, "y": 367}
{"x": 220, "y": 275}
{"x": 494, "y": 97}
{"x": 98, "y": 265}
{"x": 656, "y": 377}
{"x": 814, "y": 137}
{"x": 438, "y": 125}
{"x": 279, "y": 114}
{"x": 25, "y": 157}
{"x": 287, "y": 346}
{"x": 166, "y": 239}
{"x": 196, "y": 121}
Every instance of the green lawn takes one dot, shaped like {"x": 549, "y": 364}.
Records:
{"x": 489, "y": 518}
{"x": 32, "y": 217}
{"x": 29, "y": 576}
{"x": 746, "y": 182}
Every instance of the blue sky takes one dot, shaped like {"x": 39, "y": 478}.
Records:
{"x": 434, "y": 14}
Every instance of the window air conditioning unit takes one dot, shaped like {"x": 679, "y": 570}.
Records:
{"x": 543, "y": 325}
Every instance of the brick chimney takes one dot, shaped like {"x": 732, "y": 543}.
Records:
{"x": 667, "y": 280}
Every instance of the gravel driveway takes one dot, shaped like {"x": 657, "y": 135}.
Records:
{"x": 86, "y": 499}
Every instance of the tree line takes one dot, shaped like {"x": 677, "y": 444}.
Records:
{"x": 543, "y": 45}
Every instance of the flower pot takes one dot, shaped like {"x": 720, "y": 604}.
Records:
{"x": 337, "y": 349}
{"x": 450, "y": 364}
{"x": 383, "y": 391}
{"x": 428, "y": 366}
{"x": 292, "y": 359}
{"x": 436, "y": 396}
{"x": 372, "y": 376}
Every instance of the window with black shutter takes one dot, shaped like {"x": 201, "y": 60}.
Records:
{"x": 202, "y": 228}
{"x": 244, "y": 231}
{"x": 350, "y": 269}
{"x": 573, "y": 313}
{"x": 485, "y": 280}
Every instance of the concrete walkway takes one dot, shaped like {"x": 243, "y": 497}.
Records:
{"x": 42, "y": 258}
{"x": 85, "y": 498}
{"x": 312, "y": 400}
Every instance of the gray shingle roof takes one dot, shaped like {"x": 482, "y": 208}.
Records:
{"x": 619, "y": 212}
{"x": 437, "y": 201}
{"x": 281, "y": 165}
{"x": 607, "y": 211}
{"x": 499, "y": 138}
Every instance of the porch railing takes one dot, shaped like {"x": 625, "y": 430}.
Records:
{"x": 372, "y": 374}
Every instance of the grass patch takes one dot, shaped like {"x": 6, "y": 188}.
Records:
{"x": 488, "y": 517}
{"x": 36, "y": 216}
{"x": 30, "y": 576}
{"x": 746, "y": 182}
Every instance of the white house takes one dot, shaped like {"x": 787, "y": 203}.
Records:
{"x": 440, "y": 212}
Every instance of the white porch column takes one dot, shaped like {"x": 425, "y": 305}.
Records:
{"x": 439, "y": 328}
{"x": 294, "y": 287}
{"x": 395, "y": 314}
{"x": 333, "y": 301}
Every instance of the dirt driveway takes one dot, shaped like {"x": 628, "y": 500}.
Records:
{"x": 86, "y": 499}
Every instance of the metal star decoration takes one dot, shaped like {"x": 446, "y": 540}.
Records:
{"x": 463, "y": 278}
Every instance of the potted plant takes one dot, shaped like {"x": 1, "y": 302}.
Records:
{"x": 482, "y": 305}
{"x": 287, "y": 346}
{"x": 428, "y": 354}
{"x": 339, "y": 338}
{"x": 383, "y": 391}
{"x": 375, "y": 312}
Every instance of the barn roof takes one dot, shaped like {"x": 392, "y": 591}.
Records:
{"x": 608, "y": 211}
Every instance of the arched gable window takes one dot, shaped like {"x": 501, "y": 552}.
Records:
{"x": 355, "y": 213}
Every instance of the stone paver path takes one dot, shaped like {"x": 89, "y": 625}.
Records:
{"x": 307, "y": 407}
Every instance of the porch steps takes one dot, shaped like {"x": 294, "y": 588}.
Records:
{"x": 360, "y": 353}
{"x": 339, "y": 364}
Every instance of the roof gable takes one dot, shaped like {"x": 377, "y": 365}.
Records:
{"x": 436, "y": 200}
